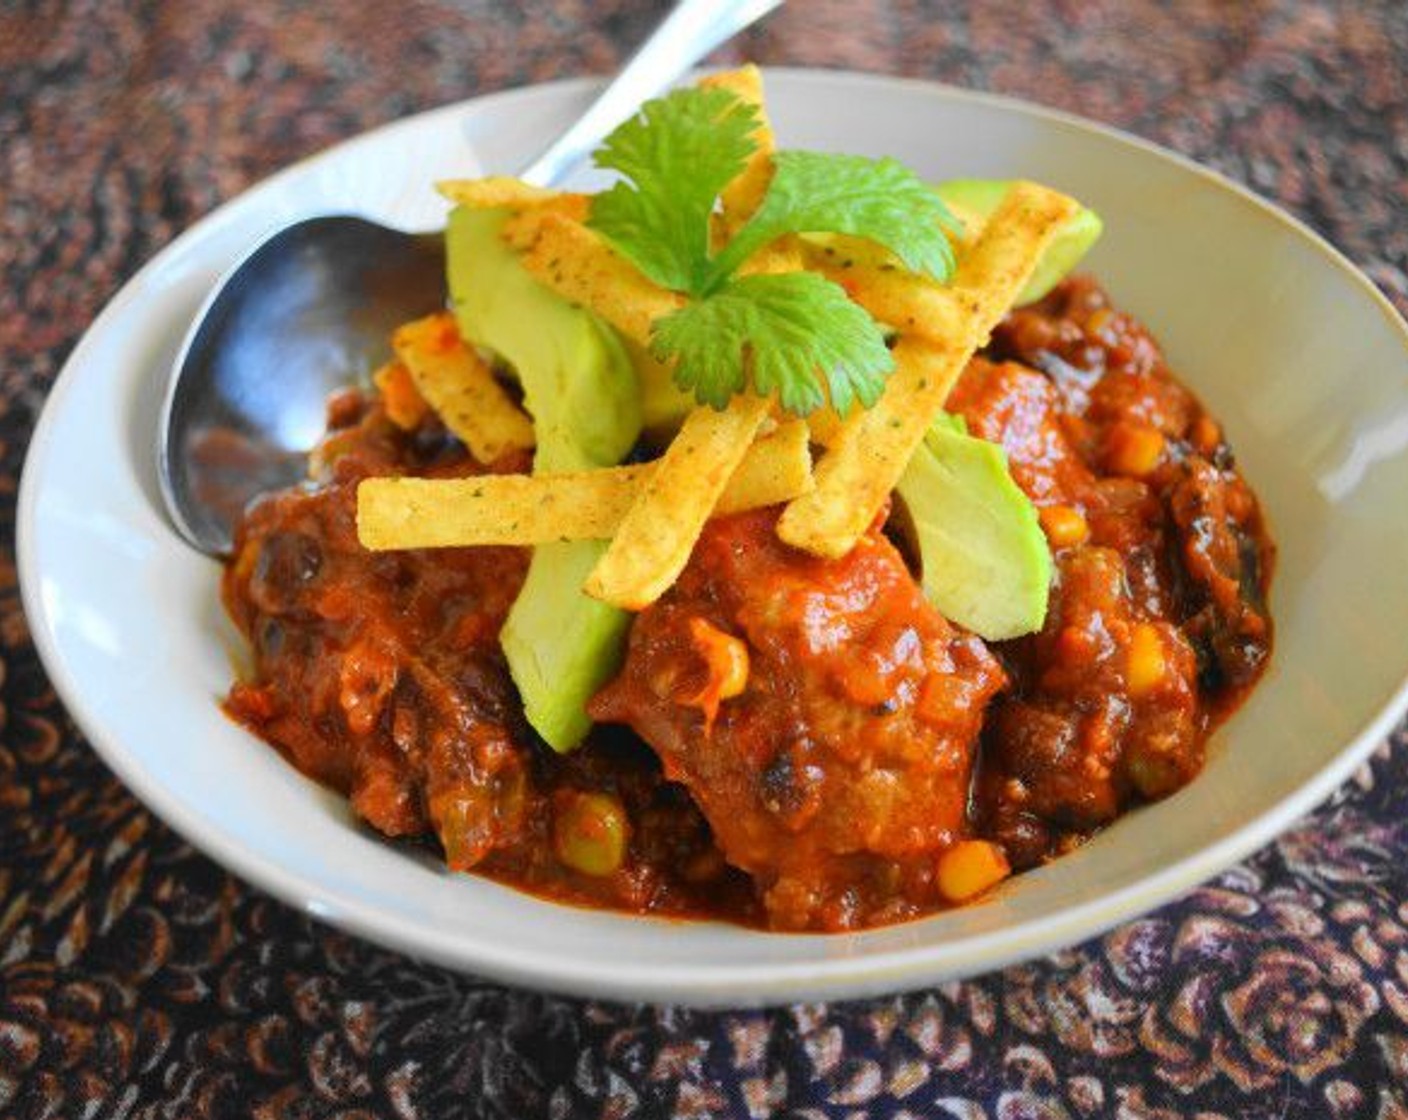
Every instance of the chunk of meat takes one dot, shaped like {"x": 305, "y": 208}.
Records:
{"x": 379, "y": 673}
{"x": 840, "y": 768}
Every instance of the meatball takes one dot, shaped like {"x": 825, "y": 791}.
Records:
{"x": 820, "y": 712}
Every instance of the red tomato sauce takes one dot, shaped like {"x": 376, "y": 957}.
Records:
{"x": 791, "y": 742}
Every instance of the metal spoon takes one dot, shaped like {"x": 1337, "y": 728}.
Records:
{"x": 310, "y": 310}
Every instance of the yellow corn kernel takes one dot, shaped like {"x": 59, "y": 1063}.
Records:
{"x": 1134, "y": 450}
{"x": 971, "y": 867}
{"x": 1065, "y": 526}
{"x": 1145, "y": 664}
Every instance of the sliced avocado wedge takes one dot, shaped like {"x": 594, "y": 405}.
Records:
{"x": 562, "y": 646}
{"x": 577, "y": 378}
{"x": 580, "y": 388}
{"x": 663, "y": 404}
{"x": 1072, "y": 241}
{"x": 984, "y": 561}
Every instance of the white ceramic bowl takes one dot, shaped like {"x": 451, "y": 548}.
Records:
{"x": 1297, "y": 353}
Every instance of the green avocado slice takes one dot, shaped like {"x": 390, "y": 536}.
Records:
{"x": 578, "y": 380}
{"x": 580, "y": 388}
{"x": 663, "y": 404}
{"x": 984, "y": 560}
{"x": 1071, "y": 243}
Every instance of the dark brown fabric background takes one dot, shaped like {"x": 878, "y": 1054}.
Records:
{"x": 137, "y": 979}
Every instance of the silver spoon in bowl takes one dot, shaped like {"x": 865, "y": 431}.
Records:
{"x": 310, "y": 310}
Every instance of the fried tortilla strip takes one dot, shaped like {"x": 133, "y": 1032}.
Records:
{"x": 823, "y": 425}
{"x": 777, "y": 468}
{"x": 972, "y": 228}
{"x": 873, "y": 278}
{"x": 580, "y": 266}
{"x": 502, "y": 192}
{"x": 458, "y": 384}
{"x": 782, "y": 255}
{"x": 1010, "y": 246}
{"x": 742, "y": 196}
{"x": 653, "y": 544}
{"x": 516, "y": 509}
{"x": 869, "y": 451}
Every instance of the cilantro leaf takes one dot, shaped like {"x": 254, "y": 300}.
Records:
{"x": 677, "y": 154}
{"x": 784, "y": 330}
{"x": 878, "y": 199}
{"x": 784, "y": 333}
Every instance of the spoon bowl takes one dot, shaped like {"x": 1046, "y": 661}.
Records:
{"x": 309, "y": 311}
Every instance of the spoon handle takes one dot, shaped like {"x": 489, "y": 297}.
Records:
{"x": 691, "y": 30}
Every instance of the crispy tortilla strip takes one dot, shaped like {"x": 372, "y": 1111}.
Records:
{"x": 502, "y": 192}
{"x": 868, "y": 452}
{"x": 495, "y": 509}
{"x": 870, "y": 449}
{"x": 782, "y": 255}
{"x": 972, "y": 223}
{"x": 580, "y": 266}
{"x": 404, "y": 405}
{"x": 516, "y": 509}
{"x": 875, "y": 278}
{"x": 458, "y": 384}
{"x": 742, "y": 196}
{"x": 1008, "y": 250}
{"x": 824, "y": 424}
{"x": 653, "y": 544}
{"x": 777, "y": 468}
{"x": 913, "y": 305}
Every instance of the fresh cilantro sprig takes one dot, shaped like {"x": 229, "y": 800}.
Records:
{"x": 675, "y": 158}
{"x": 789, "y": 325}
{"x": 878, "y": 199}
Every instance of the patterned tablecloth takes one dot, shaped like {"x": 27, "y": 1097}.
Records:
{"x": 138, "y": 979}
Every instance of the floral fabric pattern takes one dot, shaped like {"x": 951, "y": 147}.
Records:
{"x": 140, "y": 980}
